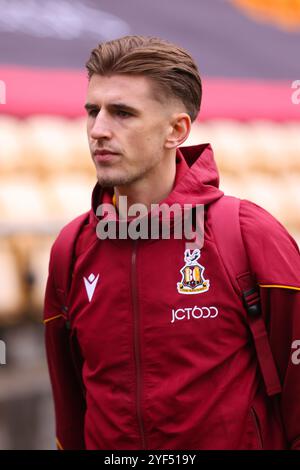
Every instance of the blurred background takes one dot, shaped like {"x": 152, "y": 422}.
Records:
{"x": 248, "y": 55}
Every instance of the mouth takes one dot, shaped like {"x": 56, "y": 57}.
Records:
{"x": 103, "y": 156}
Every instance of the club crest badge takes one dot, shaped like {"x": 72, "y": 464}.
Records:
{"x": 192, "y": 281}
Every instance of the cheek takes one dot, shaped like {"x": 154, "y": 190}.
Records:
{"x": 149, "y": 134}
{"x": 145, "y": 139}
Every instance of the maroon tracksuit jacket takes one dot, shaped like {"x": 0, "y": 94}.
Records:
{"x": 157, "y": 368}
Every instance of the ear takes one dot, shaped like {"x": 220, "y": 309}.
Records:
{"x": 179, "y": 130}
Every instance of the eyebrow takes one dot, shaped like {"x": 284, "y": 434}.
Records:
{"x": 113, "y": 106}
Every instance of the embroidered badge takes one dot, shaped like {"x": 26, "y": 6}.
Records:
{"x": 192, "y": 281}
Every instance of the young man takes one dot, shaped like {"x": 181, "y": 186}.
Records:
{"x": 152, "y": 345}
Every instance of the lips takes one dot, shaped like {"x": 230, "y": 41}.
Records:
{"x": 105, "y": 155}
{"x": 104, "y": 152}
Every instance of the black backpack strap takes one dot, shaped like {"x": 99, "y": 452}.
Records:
{"x": 225, "y": 223}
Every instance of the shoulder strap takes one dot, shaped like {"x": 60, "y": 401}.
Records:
{"x": 63, "y": 256}
{"x": 225, "y": 221}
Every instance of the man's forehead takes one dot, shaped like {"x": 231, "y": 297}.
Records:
{"x": 120, "y": 88}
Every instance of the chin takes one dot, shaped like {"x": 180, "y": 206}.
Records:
{"x": 109, "y": 181}
{"x": 106, "y": 181}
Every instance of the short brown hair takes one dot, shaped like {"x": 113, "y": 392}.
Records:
{"x": 171, "y": 68}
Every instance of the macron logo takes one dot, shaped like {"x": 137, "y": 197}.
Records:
{"x": 90, "y": 285}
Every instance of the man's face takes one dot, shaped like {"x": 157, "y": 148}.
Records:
{"x": 127, "y": 127}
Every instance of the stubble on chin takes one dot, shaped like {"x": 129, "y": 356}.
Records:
{"x": 110, "y": 181}
{"x": 128, "y": 177}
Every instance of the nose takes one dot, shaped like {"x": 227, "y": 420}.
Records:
{"x": 101, "y": 127}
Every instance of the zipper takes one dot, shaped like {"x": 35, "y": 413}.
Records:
{"x": 136, "y": 342}
{"x": 257, "y": 427}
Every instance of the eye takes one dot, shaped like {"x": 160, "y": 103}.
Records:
{"x": 123, "y": 114}
{"x": 93, "y": 112}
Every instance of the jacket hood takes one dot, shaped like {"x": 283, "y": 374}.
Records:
{"x": 196, "y": 181}
{"x": 197, "y": 176}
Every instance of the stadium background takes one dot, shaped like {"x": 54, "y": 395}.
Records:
{"x": 247, "y": 52}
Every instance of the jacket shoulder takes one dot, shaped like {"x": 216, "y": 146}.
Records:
{"x": 61, "y": 256}
{"x": 273, "y": 253}
{"x": 71, "y": 229}
{"x": 63, "y": 247}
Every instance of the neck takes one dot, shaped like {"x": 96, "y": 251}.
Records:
{"x": 153, "y": 188}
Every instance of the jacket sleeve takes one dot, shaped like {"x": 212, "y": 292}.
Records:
{"x": 275, "y": 260}
{"x": 64, "y": 365}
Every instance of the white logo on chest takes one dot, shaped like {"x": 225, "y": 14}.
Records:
{"x": 194, "y": 312}
{"x": 90, "y": 285}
